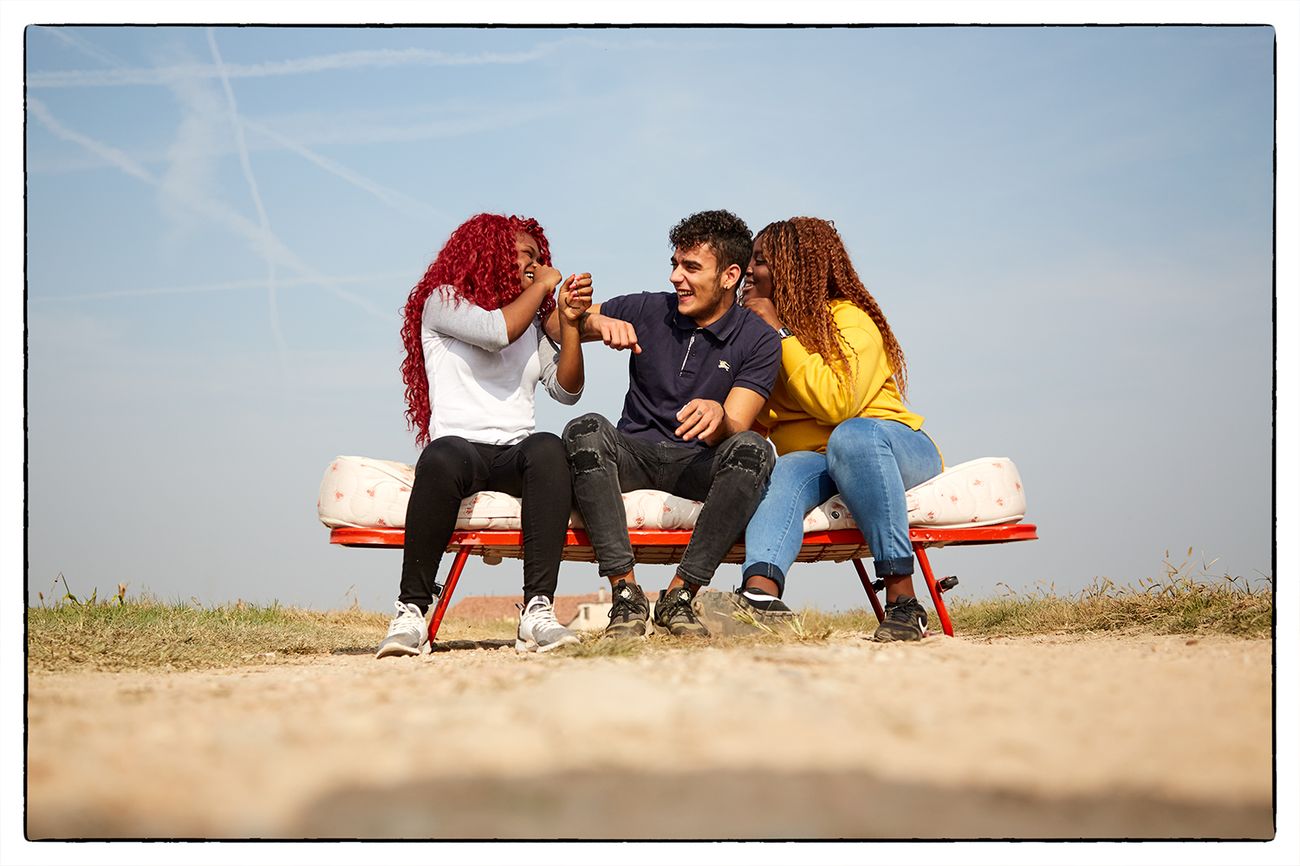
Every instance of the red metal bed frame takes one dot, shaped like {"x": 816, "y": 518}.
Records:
{"x": 667, "y": 546}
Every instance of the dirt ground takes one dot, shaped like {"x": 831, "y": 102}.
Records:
{"x": 955, "y": 738}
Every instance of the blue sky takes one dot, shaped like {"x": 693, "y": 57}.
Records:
{"x": 1070, "y": 230}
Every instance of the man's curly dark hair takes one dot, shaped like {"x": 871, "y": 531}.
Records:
{"x": 722, "y": 230}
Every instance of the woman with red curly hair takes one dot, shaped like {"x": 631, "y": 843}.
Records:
{"x": 475, "y": 330}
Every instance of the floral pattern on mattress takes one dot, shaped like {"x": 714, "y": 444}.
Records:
{"x": 365, "y": 492}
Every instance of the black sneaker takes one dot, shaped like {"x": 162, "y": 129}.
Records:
{"x": 628, "y": 611}
{"x": 674, "y": 614}
{"x": 761, "y": 603}
{"x": 905, "y": 619}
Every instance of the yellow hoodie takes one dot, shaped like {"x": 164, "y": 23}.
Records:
{"x": 808, "y": 399}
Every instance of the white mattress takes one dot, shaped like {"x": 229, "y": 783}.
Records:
{"x": 364, "y": 492}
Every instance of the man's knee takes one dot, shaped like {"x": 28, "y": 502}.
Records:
{"x": 585, "y": 440}
{"x": 580, "y": 429}
{"x": 749, "y": 453}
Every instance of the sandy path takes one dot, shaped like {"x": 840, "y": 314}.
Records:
{"x": 1134, "y": 737}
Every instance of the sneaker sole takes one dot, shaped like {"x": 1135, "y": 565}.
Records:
{"x": 759, "y": 614}
{"x": 398, "y": 650}
{"x": 699, "y": 630}
{"x": 529, "y": 646}
{"x": 885, "y": 637}
{"x": 627, "y": 634}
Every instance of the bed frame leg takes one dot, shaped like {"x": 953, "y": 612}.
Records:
{"x": 936, "y": 592}
{"x": 871, "y": 590}
{"x": 445, "y": 599}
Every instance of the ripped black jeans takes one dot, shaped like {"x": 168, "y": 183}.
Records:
{"x": 729, "y": 479}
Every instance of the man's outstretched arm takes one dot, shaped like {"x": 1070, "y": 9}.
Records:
{"x": 615, "y": 333}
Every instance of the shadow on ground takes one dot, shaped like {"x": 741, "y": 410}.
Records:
{"x": 741, "y": 804}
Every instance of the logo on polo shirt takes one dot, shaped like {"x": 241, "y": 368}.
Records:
{"x": 723, "y": 365}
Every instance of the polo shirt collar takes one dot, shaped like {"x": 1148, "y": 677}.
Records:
{"x": 720, "y": 330}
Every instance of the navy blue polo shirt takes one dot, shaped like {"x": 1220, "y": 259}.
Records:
{"x": 681, "y": 361}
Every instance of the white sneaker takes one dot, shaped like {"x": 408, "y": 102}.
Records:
{"x": 407, "y": 633}
{"x": 539, "y": 631}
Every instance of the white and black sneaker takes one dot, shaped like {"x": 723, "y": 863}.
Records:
{"x": 905, "y": 619}
{"x": 761, "y": 603}
{"x": 407, "y": 633}
{"x": 539, "y": 630}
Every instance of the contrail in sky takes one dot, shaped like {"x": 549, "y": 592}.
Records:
{"x": 84, "y": 46}
{"x": 388, "y": 196}
{"x": 214, "y": 210}
{"x": 247, "y": 166}
{"x": 386, "y": 57}
{"x": 227, "y": 286}
{"x": 111, "y": 154}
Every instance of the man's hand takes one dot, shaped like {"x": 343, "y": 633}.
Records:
{"x": 700, "y": 418}
{"x": 765, "y": 310}
{"x": 615, "y": 333}
{"x": 574, "y": 299}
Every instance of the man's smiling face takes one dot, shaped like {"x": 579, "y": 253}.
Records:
{"x": 700, "y": 293}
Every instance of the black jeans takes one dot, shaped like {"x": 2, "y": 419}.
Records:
{"x": 450, "y": 469}
{"x": 730, "y": 480}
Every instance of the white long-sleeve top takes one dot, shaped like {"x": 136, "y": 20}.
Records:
{"x": 481, "y": 387}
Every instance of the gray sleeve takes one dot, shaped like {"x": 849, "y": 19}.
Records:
{"x": 465, "y": 321}
{"x": 547, "y": 352}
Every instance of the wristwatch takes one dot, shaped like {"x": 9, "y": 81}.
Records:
{"x": 784, "y": 332}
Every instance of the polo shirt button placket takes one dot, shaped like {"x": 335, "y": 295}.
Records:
{"x": 689, "y": 345}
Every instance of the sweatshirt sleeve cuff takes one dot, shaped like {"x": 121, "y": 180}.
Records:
{"x": 793, "y": 355}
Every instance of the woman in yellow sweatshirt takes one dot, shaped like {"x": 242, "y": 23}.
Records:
{"x": 836, "y": 417}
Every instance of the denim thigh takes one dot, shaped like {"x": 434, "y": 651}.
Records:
{"x": 799, "y": 483}
{"x": 872, "y": 463}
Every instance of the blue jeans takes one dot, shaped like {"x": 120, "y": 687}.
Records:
{"x": 871, "y": 463}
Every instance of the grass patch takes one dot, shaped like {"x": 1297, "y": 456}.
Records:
{"x": 595, "y": 645}
{"x": 121, "y": 634}
{"x": 1179, "y": 602}
{"x": 1186, "y": 599}
{"x": 151, "y": 634}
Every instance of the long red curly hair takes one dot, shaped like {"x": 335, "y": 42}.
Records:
{"x": 478, "y": 265}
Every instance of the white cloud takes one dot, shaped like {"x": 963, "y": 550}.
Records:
{"x": 273, "y": 308}
{"x": 202, "y": 138}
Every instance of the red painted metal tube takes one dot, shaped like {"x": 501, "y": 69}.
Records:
{"x": 871, "y": 590}
{"x": 925, "y": 536}
{"x": 922, "y": 537}
{"x": 936, "y": 594}
{"x": 445, "y": 599}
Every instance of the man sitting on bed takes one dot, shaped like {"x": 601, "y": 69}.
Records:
{"x": 701, "y": 368}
